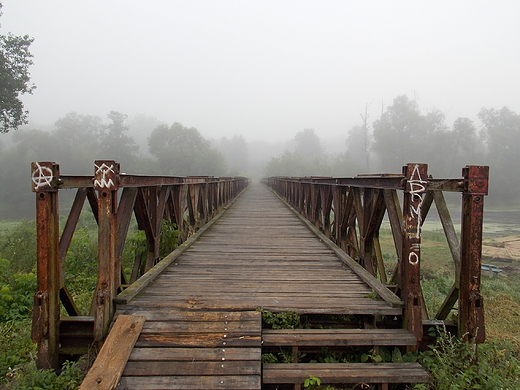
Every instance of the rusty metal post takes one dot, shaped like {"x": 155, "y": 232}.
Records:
{"x": 416, "y": 176}
{"x": 471, "y": 305}
{"x": 106, "y": 183}
{"x": 46, "y": 310}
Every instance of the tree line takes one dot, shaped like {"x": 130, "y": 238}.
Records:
{"x": 404, "y": 134}
{"x": 77, "y": 140}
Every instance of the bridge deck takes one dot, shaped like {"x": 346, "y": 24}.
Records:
{"x": 200, "y": 310}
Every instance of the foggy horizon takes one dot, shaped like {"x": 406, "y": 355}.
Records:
{"x": 266, "y": 70}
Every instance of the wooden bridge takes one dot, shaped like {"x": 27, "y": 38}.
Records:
{"x": 305, "y": 248}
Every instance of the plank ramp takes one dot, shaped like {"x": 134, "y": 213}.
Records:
{"x": 111, "y": 360}
{"x": 202, "y": 330}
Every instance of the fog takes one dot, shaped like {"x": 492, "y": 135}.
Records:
{"x": 267, "y": 69}
{"x": 266, "y": 88}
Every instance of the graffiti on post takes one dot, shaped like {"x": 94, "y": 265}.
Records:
{"x": 103, "y": 176}
{"x": 417, "y": 189}
{"x": 41, "y": 176}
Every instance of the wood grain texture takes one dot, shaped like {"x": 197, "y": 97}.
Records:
{"x": 259, "y": 254}
{"x": 203, "y": 330}
{"x": 346, "y": 372}
{"x": 108, "y": 367}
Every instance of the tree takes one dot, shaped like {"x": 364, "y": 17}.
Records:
{"x": 15, "y": 60}
{"x": 16, "y": 198}
{"x": 501, "y": 133}
{"x": 79, "y": 139}
{"x": 115, "y": 144}
{"x": 183, "y": 151}
{"x": 358, "y": 147}
{"x": 404, "y": 135}
{"x": 287, "y": 164}
{"x": 308, "y": 145}
{"x": 397, "y": 134}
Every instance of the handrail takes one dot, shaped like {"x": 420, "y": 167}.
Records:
{"x": 350, "y": 211}
{"x": 188, "y": 202}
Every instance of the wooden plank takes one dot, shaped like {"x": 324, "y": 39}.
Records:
{"x": 302, "y": 307}
{"x": 200, "y": 327}
{"x": 166, "y": 368}
{"x": 195, "y": 354}
{"x": 337, "y": 337}
{"x": 191, "y": 316}
{"x": 242, "y": 382}
{"x": 112, "y": 358}
{"x": 207, "y": 340}
{"x": 345, "y": 372}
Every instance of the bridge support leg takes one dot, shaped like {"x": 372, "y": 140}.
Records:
{"x": 46, "y": 310}
{"x": 414, "y": 195}
{"x": 106, "y": 183}
{"x": 471, "y": 305}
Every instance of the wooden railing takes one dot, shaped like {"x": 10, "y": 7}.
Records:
{"x": 188, "y": 202}
{"x": 350, "y": 212}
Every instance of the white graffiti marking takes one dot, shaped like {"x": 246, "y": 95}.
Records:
{"x": 104, "y": 170}
{"x": 42, "y": 176}
{"x": 417, "y": 188}
{"x": 413, "y": 258}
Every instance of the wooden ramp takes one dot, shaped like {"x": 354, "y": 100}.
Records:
{"x": 202, "y": 331}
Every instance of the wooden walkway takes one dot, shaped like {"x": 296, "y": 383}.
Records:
{"x": 202, "y": 330}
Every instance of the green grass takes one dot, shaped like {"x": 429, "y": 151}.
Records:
{"x": 6, "y": 226}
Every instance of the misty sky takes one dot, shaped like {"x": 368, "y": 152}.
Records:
{"x": 267, "y": 69}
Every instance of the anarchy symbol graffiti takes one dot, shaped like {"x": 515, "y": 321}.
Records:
{"x": 42, "y": 177}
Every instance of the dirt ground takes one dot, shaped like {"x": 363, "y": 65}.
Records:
{"x": 503, "y": 252}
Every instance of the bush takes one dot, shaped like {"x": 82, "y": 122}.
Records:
{"x": 18, "y": 245}
{"x": 30, "y": 378}
{"x": 16, "y": 296}
{"x": 17, "y": 347}
{"x": 454, "y": 364}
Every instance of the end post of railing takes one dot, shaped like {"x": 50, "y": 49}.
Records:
{"x": 106, "y": 183}
{"x": 416, "y": 182}
{"x": 471, "y": 305}
{"x": 46, "y": 310}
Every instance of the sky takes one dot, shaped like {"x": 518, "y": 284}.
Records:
{"x": 267, "y": 69}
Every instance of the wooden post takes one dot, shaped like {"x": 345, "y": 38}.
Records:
{"x": 106, "y": 183}
{"x": 46, "y": 310}
{"x": 471, "y": 305}
{"x": 414, "y": 193}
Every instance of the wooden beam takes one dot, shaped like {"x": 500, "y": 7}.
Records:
{"x": 111, "y": 361}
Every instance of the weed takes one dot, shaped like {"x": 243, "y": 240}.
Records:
{"x": 454, "y": 364}
{"x": 311, "y": 382}
{"x": 283, "y": 320}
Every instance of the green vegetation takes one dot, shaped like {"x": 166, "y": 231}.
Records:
{"x": 494, "y": 364}
{"x": 455, "y": 365}
{"x": 283, "y": 320}
{"x": 18, "y": 284}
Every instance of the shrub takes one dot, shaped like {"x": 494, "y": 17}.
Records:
{"x": 17, "y": 347}
{"x": 16, "y": 297}
{"x": 454, "y": 364}
{"x": 30, "y": 378}
{"x": 18, "y": 245}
